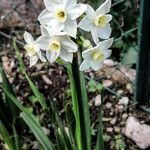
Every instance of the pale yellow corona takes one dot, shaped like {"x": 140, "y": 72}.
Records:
{"x": 100, "y": 21}
{"x": 98, "y": 55}
{"x": 61, "y": 15}
{"x": 30, "y": 49}
{"x": 55, "y": 46}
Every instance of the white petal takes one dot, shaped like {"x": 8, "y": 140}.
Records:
{"x": 76, "y": 10}
{"x": 50, "y": 31}
{"x": 50, "y": 4}
{"x": 96, "y": 65}
{"x": 36, "y": 47}
{"x": 33, "y": 60}
{"x": 43, "y": 42}
{"x": 66, "y": 56}
{"x": 108, "y": 18}
{"x": 104, "y": 8}
{"x": 105, "y": 44}
{"x": 71, "y": 27}
{"x": 90, "y": 13}
{"x": 95, "y": 35}
{"x": 44, "y": 30}
{"x": 104, "y": 33}
{"x": 85, "y": 65}
{"x": 85, "y": 24}
{"x": 87, "y": 52}
{"x": 45, "y": 17}
{"x": 68, "y": 44}
{"x": 69, "y": 2}
{"x": 41, "y": 57}
{"x": 107, "y": 53}
{"x": 51, "y": 56}
{"x": 28, "y": 38}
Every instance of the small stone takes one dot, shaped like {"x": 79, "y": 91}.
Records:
{"x": 124, "y": 116}
{"x": 46, "y": 131}
{"x": 129, "y": 87}
{"x": 111, "y": 113}
{"x": 109, "y": 62}
{"x": 35, "y": 145}
{"x": 11, "y": 79}
{"x": 120, "y": 92}
{"x": 107, "y": 83}
{"x": 109, "y": 129}
{"x": 113, "y": 121}
{"x": 124, "y": 101}
{"x": 98, "y": 100}
{"x": 121, "y": 107}
{"x": 108, "y": 105}
{"x": 139, "y": 133}
{"x": 47, "y": 80}
{"x": 117, "y": 129}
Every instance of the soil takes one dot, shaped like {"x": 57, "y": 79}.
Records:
{"x": 52, "y": 79}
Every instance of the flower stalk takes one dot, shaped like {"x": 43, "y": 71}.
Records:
{"x": 80, "y": 103}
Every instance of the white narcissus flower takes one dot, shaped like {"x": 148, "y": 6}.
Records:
{"x": 62, "y": 15}
{"x": 94, "y": 57}
{"x": 58, "y": 45}
{"x": 33, "y": 50}
{"x": 98, "y": 21}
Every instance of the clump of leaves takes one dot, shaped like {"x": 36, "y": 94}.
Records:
{"x": 94, "y": 86}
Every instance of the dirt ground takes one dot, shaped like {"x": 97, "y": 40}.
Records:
{"x": 118, "y": 98}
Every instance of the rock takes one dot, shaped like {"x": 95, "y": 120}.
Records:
{"x": 108, "y": 105}
{"x": 109, "y": 129}
{"x": 98, "y": 100}
{"x": 109, "y": 62}
{"x": 120, "y": 108}
{"x": 107, "y": 83}
{"x": 113, "y": 121}
{"x": 124, "y": 101}
{"x": 120, "y": 92}
{"x": 129, "y": 87}
{"x": 117, "y": 129}
{"x": 35, "y": 145}
{"x": 139, "y": 133}
{"x": 47, "y": 80}
{"x": 128, "y": 72}
{"x": 46, "y": 131}
{"x": 124, "y": 116}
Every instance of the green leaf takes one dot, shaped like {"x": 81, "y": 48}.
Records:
{"x": 32, "y": 122}
{"x": 60, "y": 127}
{"x": 130, "y": 57}
{"x": 96, "y": 3}
{"x": 12, "y": 108}
{"x": 41, "y": 99}
{"x": 75, "y": 106}
{"x": 119, "y": 143}
{"x": 82, "y": 100}
{"x": 17, "y": 140}
{"x": 37, "y": 130}
{"x": 6, "y": 137}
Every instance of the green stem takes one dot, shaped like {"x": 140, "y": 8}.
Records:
{"x": 75, "y": 106}
{"x": 100, "y": 140}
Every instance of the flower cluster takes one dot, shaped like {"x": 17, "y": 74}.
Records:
{"x": 59, "y": 27}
